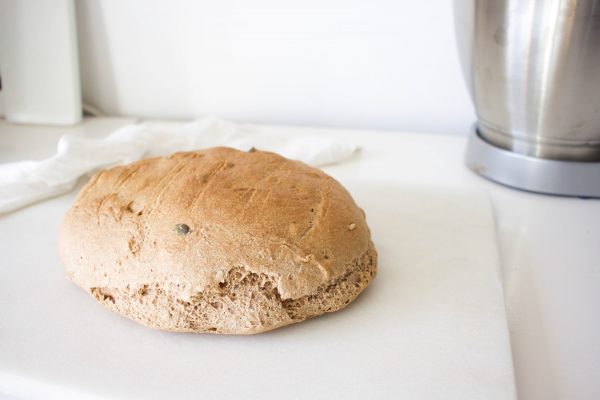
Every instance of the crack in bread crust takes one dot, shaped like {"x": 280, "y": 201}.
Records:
{"x": 243, "y": 303}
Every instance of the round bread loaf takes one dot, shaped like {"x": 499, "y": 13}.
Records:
{"x": 219, "y": 241}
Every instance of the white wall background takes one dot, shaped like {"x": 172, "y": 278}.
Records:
{"x": 385, "y": 64}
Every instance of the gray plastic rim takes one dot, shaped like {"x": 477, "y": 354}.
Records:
{"x": 563, "y": 178}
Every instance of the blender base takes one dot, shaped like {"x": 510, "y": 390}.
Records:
{"x": 563, "y": 178}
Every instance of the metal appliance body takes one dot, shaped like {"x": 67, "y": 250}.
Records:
{"x": 533, "y": 71}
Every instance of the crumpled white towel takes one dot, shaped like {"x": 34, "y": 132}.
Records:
{"x": 25, "y": 182}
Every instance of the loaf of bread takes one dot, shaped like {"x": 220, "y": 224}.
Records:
{"x": 217, "y": 240}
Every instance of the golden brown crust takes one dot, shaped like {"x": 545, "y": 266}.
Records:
{"x": 181, "y": 224}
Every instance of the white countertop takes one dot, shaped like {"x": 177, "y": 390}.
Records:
{"x": 549, "y": 250}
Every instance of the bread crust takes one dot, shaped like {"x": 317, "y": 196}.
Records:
{"x": 217, "y": 240}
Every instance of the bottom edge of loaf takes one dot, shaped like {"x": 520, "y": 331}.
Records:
{"x": 244, "y": 303}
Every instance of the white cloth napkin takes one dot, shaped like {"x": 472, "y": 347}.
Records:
{"x": 25, "y": 182}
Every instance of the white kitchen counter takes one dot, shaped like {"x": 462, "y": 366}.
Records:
{"x": 549, "y": 249}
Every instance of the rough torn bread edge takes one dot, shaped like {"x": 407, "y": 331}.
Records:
{"x": 244, "y": 303}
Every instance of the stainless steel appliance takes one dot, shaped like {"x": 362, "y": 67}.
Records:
{"x": 533, "y": 71}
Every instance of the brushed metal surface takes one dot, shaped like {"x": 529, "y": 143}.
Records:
{"x": 533, "y": 174}
{"x": 533, "y": 71}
